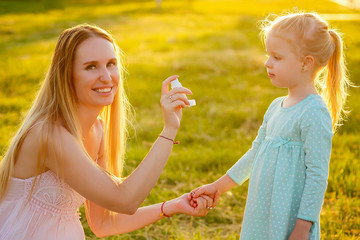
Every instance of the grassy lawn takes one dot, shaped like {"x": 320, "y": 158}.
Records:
{"x": 215, "y": 48}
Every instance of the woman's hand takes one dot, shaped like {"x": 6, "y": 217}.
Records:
{"x": 172, "y": 102}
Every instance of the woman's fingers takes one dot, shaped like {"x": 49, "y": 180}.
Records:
{"x": 175, "y": 94}
{"x": 193, "y": 203}
{"x": 179, "y": 96}
{"x": 165, "y": 84}
{"x": 180, "y": 90}
{"x": 175, "y": 98}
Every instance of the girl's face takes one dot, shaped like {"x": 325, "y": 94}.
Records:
{"x": 283, "y": 65}
{"x": 95, "y": 72}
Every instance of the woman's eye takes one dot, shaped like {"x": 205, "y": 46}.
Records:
{"x": 111, "y": 64}
{"x": 90, "y": 67}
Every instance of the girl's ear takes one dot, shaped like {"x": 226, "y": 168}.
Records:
{"x": 308, "y": 63}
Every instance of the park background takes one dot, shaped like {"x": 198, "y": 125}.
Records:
{"x": 215, "y": 48}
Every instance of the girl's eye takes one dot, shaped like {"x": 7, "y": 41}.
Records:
{"x": 90, "y": 67}
{"x": 277, "y": 57}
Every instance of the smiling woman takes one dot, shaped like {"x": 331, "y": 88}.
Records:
{"x": 70, "y": 147}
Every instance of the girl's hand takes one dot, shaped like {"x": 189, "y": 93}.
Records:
{"x": 213, "y": 190}
{"x": 172, "y": 102}
{"x": 209, "y": 190}
{"x": 182, "y": 205}
{"x": 301, "y": 230}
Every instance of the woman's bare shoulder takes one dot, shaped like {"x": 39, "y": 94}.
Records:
{"x": 34, "y": 143}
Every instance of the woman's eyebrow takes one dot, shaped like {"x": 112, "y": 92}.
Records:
{"x": 89, "y": 62}
{"x": 92, "y": 62}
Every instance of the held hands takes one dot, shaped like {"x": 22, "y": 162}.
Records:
{"x": 172, "y": 102}
{"x": 209, "y": 190}
{"x": 182, "y": 205}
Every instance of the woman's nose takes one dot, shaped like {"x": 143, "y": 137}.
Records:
{"x": 105, "y": 75}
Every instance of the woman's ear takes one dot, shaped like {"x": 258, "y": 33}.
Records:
{"x": 308, "y": 63}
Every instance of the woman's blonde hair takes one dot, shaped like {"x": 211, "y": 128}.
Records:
{"x": 56, "y": 100}
{"x": 315, "y": 38}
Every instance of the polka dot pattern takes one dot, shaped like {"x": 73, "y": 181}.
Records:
{"x": 288, "y": 168}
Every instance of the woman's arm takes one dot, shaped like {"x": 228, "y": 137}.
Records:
{"x": 121, "y": 223}
{"x": 82, "y": 174}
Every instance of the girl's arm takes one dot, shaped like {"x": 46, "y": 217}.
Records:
{"x": 121, "y": 223}
{"x": 301, "y": 230}
{"x": 240, "y": 171}
{"x": 316, "y": 135}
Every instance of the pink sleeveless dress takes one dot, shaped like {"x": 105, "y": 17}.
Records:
{"x": 51, "y": 213}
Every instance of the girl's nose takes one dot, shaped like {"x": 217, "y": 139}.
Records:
{"x": 267, "y": 63}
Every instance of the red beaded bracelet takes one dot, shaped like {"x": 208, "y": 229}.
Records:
{"x": 174, "y": 142}
{"x": 162, "y": 210}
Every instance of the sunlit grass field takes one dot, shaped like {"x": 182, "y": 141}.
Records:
{"x": 215, "y": 48}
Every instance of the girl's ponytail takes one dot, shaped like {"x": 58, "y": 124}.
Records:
{"x": 336, "y": 81}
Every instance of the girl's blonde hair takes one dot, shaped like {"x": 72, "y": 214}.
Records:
{"x": 56, "y": 100}
{"x": 315, "y": 38}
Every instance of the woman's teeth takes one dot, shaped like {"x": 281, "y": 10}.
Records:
{"x": 103, "y": 90}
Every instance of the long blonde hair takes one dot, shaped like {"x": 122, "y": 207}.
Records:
{"x": 315, "y": 38}
{"x": 56, "y": 100}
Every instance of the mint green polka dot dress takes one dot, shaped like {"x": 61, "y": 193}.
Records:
{"x": 288, "y": 167}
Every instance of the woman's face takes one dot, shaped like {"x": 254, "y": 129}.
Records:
{"x": 95, "y": 73}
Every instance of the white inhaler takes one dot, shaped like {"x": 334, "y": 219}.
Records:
{"x": 175, "y": 83}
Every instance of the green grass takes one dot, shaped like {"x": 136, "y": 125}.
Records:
{"x": 215, "y": 48}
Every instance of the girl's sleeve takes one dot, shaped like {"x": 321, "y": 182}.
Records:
{"x": 316, "y": 136}
{"x": 240, "y": 171}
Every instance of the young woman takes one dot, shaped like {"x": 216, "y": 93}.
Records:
{"x": 69, "y": 150}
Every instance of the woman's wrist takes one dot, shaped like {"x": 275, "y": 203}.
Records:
{"x": 169, "y": 208}
{"x": 169, "y": 132}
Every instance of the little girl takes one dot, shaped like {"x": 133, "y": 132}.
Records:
{"x": 288, "y": 163}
